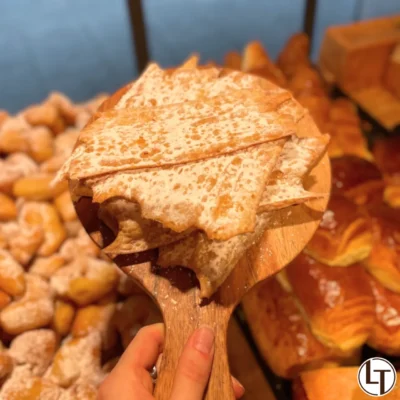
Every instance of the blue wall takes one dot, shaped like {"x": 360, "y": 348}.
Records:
{"x": 82, "y": 47}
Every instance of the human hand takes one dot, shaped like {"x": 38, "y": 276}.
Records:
{"x": 130, "y": 379}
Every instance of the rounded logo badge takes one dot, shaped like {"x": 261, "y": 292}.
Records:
{"x": 377, "y": 377}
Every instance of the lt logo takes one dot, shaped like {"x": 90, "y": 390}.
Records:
{"x": 377, "y": 377}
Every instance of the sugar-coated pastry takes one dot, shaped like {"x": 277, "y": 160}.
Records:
{"x": 344, "y": 236}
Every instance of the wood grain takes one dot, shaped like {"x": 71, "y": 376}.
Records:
{"x": 176, "y": 292}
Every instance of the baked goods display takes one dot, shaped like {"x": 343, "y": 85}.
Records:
{"x": 66, "y": 311}
{"x": 342, "y": 292}
{"x": 63, "y": 303}
{"x": 194, "y": 162}
{"x": 337, "y": 303}
{"x": 294, "y": 71}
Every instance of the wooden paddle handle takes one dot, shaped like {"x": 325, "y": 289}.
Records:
{"x": 179, "y": 326}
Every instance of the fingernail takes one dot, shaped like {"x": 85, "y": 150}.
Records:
{"x": 240, "y": 386}
{"x": 203, "y": 340}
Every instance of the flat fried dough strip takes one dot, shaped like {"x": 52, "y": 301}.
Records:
{"x": 158, "y": 87}
{"x": 285, "y": 187}
{"x": 218, "y": 195}
{"x": 134, "y": 233}
{"x": 211, "y": 260}
{"x": 179, "y": 133}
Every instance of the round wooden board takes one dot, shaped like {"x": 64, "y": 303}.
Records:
{"x": 176, "y": 292}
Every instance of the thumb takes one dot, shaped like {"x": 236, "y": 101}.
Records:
{"x": 194, "y": 366}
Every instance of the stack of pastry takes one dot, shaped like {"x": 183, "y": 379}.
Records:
{"x": 66, "y": 312}
{"x": 294, "y": 71}
{"x": 194, "y": 162}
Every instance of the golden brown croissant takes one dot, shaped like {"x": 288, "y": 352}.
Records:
{"x": 334, "y": 384}
{"x": 384, "y": 260}
{"x": 337, "y": 302}
{"x": 345, "y": 128}
{"x": 387, "y": 157}
{"x": 344, "y": 236}
{"x": 306, "y": 80}
{"x": 385, "y": 334}
{"x": 257, "y": 61}
{"x": 318, "y": 106}
{"x": 233, "y": 60}
{"x": 294, "y": 54}
{"x": 281, "y": 333}
{"x": 357, "y": 179}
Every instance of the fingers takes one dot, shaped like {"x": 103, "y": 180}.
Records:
{"x": 144, "y": 350}
{"x": 130, "y": 378}
{"x": 238, "y": 389}
{"x": 194, "y": 366}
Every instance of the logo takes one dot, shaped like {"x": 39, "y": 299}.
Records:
{"x": 377, "y": 376}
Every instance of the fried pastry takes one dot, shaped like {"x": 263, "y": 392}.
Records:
{"x": 205, "y": 164}
{"x": 32, "y": 311}
{"x": 35, "y": 349}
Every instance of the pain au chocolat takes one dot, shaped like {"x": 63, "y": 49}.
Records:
{"x": 194, "y": 161}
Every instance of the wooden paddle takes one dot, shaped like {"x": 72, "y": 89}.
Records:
{"x": 176, "y": 292}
